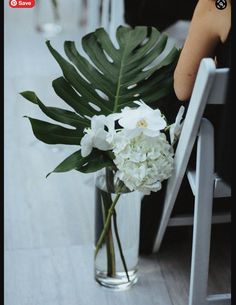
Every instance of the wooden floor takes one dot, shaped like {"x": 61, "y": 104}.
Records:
{"x": 49, "y": 222}
{"x": 174, "y": 260}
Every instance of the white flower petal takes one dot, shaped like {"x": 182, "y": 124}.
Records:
{"x": 142, "y": 117}
{"x": 180, "y": 114}
{"x": 99, "y": 141}
{"x": 86, "y": 145}
{"x": 176, "y": 127}
{"x": 150, "y": 132}
{"x": 97, "y": 122}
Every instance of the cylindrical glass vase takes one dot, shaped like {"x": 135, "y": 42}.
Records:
{"x": 116, "y": 261}
{"x": 48, "y": 19}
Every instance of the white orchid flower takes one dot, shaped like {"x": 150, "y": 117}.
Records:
{"x": 143, "y": 118}
{"x": 86, "y": 142}
{"x": 176, "y": 127}
{"x": 110, "y": 124}
{"x": 96, "y": 136}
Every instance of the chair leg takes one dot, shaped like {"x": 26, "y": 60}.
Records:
{"x": 202, "y": 216}
{"x": 171, "y": 193}
{"x": 165, "y": 217}
{"x": 93, "y": 15}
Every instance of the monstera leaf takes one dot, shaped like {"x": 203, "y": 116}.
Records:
{"x": 109, "y": 80}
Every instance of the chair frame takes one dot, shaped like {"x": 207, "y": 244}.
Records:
{"x": 112, "y": 15}
{"x": 210, "y": 87}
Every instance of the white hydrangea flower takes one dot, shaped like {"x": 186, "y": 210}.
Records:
{"x": 143, "y": 119}
{"x": 143, "y": 162}
{"x": 97, "y": 136}
{"x": 176, "y": 127}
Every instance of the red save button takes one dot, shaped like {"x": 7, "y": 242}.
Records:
{"x": 21, "y": 4}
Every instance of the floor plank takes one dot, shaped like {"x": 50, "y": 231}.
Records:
{"x": 174, "y": 258}
{"x": 64, "y": 276}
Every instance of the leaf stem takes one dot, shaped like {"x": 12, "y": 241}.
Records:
{"x": 111, "y": 260}
{"x": 119, "y": 244}
{"x": 108, "y": 219}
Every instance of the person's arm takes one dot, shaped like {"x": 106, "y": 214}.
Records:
{"x": 208, "y": 27}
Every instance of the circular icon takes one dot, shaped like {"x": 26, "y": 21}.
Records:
{"x": 13, "y": 3}
{"x": 221, "y": 4}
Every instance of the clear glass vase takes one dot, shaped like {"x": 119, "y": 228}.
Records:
{"x": 116, "y": 257}
{"x": 48, "y": 19}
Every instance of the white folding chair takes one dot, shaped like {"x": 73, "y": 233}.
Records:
{"x": 112, "y": 16}
{"x": 93, "y": 15}
{"x": 210, "y": 87}
{"x": 108, "y": 14}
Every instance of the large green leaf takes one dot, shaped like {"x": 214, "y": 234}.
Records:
{"x": 57, "y": 114}
{"x": 89, "y": 164}
{"x": 54, "y": 134}
{"x": 105, "y": 80}
{"x": 74, "y": 160}
{"x": 109, "y": 79}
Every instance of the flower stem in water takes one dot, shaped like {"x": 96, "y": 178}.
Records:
{"x": 119, "y": 244}
{"x": 111, "y": 261}
{"x": 108, "y": 220}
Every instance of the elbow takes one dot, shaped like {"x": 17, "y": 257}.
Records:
{"x": 182, "y": 89}
{"x": 181, "y": 93}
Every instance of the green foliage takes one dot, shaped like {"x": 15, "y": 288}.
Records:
{"x": 105, "y": 83}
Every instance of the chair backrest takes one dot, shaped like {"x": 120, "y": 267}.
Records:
{"x": 117, "y": 17}
{"x": 108, "y": 14}
{"x": 93, "y": 17}
{"x": 210, "y": 87}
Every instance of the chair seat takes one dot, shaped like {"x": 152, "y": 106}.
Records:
{"x": 221, "y": 189}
